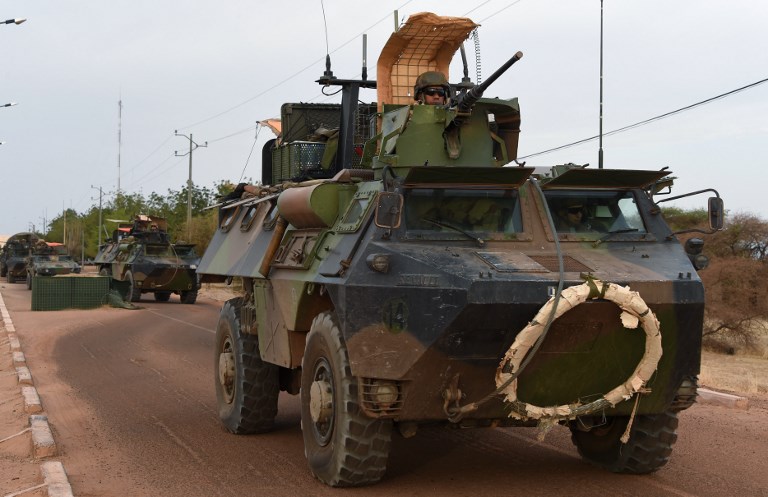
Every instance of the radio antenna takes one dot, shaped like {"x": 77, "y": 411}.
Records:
{"x": 328, "y": 74}
{"x": 600, "y": 151}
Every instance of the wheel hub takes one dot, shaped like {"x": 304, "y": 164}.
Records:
{"x": 227, "y": 374}
{"x": 320, "y": 401}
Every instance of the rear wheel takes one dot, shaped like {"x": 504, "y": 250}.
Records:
{"x": 134, "y": 292}
{"x": 188, "y": 296}
{"x": 162, "y": 296}
{"x": 246, "y": 387}
{"x": 648, "y": 449}
{"x": 344, "y": 448}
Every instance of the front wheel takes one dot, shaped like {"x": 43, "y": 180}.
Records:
{"x": 134, "y": 292}
{"x": 344, "y": 448}
{"x": 246, "y": 387}
{"x": 648, "y": 448}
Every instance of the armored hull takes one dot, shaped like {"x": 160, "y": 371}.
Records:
{"x": 420, "y": 276}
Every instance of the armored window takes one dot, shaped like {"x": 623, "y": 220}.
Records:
{"x": 448, "y": 211}
{"x": 248, "y": 217}
{"x": 270, "y": 219}
{"x": 594, "y": 211}
{"x": 228, "y": 218}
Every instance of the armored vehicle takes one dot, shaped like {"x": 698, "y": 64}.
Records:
{"x": 408, "y": 272}
{"x": 49, "y": 259}
{"x": 141, "y": 255}
{"x": 13, "y": 257}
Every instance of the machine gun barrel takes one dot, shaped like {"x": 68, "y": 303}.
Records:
{"x": 476, "y": 92}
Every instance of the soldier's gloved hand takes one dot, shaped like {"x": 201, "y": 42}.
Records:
{"x": 236, "y": 194}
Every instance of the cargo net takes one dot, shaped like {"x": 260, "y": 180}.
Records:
{"x": 310, "y": 138}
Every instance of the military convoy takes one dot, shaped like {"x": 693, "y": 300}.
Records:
{"x": 26, "y": 255}
{"x": 407, "y": 271}
{"x": 141, "y": 255}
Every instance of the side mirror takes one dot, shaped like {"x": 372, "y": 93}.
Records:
{"x": 716, "y": 213}
{"x": 389, "y": 209}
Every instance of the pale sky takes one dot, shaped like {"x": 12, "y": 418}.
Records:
{"x": 215, "y": 68}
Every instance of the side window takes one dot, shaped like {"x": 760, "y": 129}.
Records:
{"x": 628, "y": 217}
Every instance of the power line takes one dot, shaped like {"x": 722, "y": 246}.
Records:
{"x": 280, "y": 83}
{"x": 647, "y": 121}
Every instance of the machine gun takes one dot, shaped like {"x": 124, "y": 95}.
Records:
{"x": 465, "y": 101}
{"x": 468, "y": 98}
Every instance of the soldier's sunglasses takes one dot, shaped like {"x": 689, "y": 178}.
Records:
{"x": 434, "y": 92}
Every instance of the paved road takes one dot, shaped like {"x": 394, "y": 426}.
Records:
{"x": 129, "y": 395}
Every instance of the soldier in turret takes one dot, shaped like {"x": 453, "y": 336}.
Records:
{"x": 431, "y": 88}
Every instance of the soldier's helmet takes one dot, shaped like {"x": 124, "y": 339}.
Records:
{"x": 427, "y": 79}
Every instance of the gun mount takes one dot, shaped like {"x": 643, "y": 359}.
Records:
{"x": 468, "y": 98}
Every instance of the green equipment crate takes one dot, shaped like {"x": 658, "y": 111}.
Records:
{"x": 54, "y": 293}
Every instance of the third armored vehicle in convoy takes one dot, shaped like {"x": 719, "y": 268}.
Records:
{"x": 49, "y": 259}
{"x": 141, "y": 255}
{"x": 407, "y": 271}
{"x": 14, "y": 255}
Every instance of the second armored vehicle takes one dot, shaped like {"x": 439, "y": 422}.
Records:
{"x": 49, "y": 259}
{"x": 141, "y": 255}
{"x": 14, "y": 256}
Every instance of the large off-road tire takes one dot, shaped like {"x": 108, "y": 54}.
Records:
{"x": 105, "y": 271}
{"x": 344, "y": 448}
{"x": 648, "y": 449}
{"x": 134, "y": 292}
{"x": 162, "y": 296}
{"x": 246, "y": 387}
{"x": 188, "y": 296}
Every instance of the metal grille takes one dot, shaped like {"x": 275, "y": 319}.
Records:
{"x": 369, "y": 401}
{"x": 570, "y": 265}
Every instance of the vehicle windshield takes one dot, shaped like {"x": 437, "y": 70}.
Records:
{"x": 455, "y": 211}
{"x": 590, "y": 211}
{"x": 159, "y": 250}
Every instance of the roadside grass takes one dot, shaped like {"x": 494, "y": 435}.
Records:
{"x": 735, "y": 367}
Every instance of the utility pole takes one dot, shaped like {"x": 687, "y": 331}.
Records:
{"x": 119, "y": 140}
{"x": 99, "y": 229}
{"x": 192, "y": 147}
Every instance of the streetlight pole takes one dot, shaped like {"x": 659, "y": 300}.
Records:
{"x": 192, "y": 147}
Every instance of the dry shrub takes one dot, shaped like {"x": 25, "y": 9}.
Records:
{"x": 736, "y": 303}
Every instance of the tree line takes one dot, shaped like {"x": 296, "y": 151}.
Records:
{"x": 81, "y": 232}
